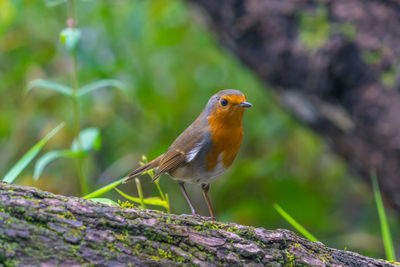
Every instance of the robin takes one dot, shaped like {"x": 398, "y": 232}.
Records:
{"x": 207, "y": 148}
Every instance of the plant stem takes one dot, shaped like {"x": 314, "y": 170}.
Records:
{"x": 168, "y": 206}
{"x": 140, "y": 192}
{"x": 160, "y": 190}
{"x": 71, "y": 23}
{"x": 71, "y": 12}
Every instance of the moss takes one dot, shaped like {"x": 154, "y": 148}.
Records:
{"x": 212, "y": 225}
{"x": 126, "y": 204}
{"x": 136, "y": 249}
{"x": 36, "y": 222}
{"x": 247, "y": 233}
{"x": 19, "y": 209}
{"x": 209, "y": 225}
{"x": 170, "y": 239}
{"x": 155, "y": 258}
{"x": 325, "y": 257}
{"x": 180, "y": 259}
{"x": 197, "y": 228}
{"x": 297, "y": 245}
{"x": 261, "y": 244}
{"x": 121, "y": 237}
{"x": 111, "y": 247}
{"x": 67, "y": 215}
{"x": 165, "y": 254}
{"x": 231, "y": 229}
{"x": 290, "y": 259}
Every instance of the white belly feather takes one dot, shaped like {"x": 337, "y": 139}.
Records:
{"x": 192, "y": 174}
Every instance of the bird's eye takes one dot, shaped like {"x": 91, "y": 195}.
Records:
{"x": 224, "y": 102}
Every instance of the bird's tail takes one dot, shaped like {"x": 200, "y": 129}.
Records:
{"x": 151, "y": 165}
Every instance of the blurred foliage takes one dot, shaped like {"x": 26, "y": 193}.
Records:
{"x": 170, "y": 64}
{"x": 315, "y": 28}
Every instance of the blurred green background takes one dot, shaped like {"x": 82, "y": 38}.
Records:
{"x": 171, "y": 64}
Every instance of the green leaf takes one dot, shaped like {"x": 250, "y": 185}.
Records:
{"x": 30, "y": 155}
{"x": 100, "y": 84}
{"x": 101, "y": 191}
{"x": 156, "y": 201}
{"x": 70, "y": 38}
{"x": 52, "y": 3}
{"x": 105, "y": 201}
{"x": 294, "y": 223}
{"x": 44, "y": 160}
{"x": 90, "y": 138}
{"x": 60, "y": 88}
{"x": 385, "y": 230}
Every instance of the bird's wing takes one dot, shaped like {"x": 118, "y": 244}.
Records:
{"x": 182, "y": 151}
{"x": 172, "y": 160}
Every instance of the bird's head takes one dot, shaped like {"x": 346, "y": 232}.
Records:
{"x": 226, "y": 107}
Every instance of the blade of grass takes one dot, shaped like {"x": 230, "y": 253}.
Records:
{"x": 30, "y": 155}
{"x": 100, "y": 84}
{"x": 44, "y": 160}
{"x": 60, "y": 88}
{"x": 385, "y": 230}
{"x": 106, "y": 201}
{"x": 294, "y": 223}
{"x": 104, "y": 189}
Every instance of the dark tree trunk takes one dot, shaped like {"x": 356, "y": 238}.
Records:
{"x": 39, "y": 228}
{"x": 334, "y": 66}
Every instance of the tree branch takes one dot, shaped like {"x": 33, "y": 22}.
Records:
{"x": 38, "y": 227}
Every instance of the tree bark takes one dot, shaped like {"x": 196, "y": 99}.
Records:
{"x": 335, "y": 66}
{"x": 39, "y": 228}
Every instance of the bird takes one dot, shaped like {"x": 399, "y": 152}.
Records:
{"x": 205, "y": 149}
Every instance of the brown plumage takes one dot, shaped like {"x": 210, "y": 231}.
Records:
{"x": 207, "y": 147}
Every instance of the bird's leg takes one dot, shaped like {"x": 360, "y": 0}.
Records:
{"x": 181, "y": 184}
{"x": 205, "y": 188}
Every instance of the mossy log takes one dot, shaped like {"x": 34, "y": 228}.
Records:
{"x": 334, "y": 65}
{"x": 40, "y": 228}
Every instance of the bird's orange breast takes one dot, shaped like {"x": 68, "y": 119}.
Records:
{"x": 226, "y": 135}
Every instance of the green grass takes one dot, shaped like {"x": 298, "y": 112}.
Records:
{"x": 385, "y": 230}
{"x": 162, "y": 201}
{"x": 294, "y": 223}
{"x": 29, "y": 156}
{"x": 101, "y": 191}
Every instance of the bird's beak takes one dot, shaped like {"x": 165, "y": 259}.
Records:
{"x": 245, "y": 104}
